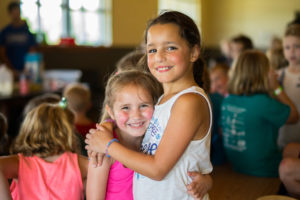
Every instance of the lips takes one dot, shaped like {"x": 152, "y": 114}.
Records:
{"x": 136, "y": 124}
{"x": 163, "y": 68}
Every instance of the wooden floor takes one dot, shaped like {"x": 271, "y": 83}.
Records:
{"x": 229, "y": 185}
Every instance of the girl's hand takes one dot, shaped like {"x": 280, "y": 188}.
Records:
{"x": 97, "y": 139}
{"x": 96, "y": 159}
{"x": 200, "y": 186}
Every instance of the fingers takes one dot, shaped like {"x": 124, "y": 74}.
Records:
{"x": 100, "y": 157}
{"x": 93, "y": 159}
{"x": 98, "y": 125}
{"x": 192, "y": 174}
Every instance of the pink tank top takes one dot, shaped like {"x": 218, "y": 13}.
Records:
{"x": 39, "y": 179}
{"x": 119, "y": 184}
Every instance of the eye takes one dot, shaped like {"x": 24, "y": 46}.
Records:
{"x": 286, "y": 47}
{"x": 144, "y": 105}
{"x": 125, "y": 108}
{"x": 152, "y": 51}
{"x": 171, "y": 48}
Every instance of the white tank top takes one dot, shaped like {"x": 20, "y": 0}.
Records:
{"x": 195, "y": 158}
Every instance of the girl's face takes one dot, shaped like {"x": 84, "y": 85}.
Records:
{"x": 132, "y": 110}
{"x": 291, "y": 47}
{"x": 218, "y": 81}
{"x": 169, "y": 56}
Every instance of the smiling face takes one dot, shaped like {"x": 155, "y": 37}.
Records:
{"x": 132, "y": 110}
{"x": 168, "y": 54}
{"x": 291, "y": 47}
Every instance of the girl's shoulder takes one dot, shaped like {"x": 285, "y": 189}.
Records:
{"x": 193, "y": 97}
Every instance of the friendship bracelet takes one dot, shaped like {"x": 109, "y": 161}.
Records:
{"x": 277, "y": 91}
{"x": 108, "y": 144}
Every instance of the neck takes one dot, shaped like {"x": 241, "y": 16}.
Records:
{"x": 80, "y": 118}
{"x": 170, "y": 89}
{"x": 294, "y": 68}
{"x": 129, "y": 141}
{"x": 17, "y": 22}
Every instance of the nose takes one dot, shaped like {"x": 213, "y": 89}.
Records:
{"x": 136, "y": 114}
{"x": 160, "y": 56}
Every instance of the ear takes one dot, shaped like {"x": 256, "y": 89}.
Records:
{"x": 195, "y": 53}
{"x": 109, "y": 111}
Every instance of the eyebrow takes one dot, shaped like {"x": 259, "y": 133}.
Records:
{"x": 165, "y": 43}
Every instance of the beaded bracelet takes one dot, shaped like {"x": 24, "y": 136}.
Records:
{"x": 108, "y": 144}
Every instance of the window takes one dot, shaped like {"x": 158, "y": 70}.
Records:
{"x": 88, "y": 21}
{"x": 192, "y": 8}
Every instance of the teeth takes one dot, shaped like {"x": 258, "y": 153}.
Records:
{"x": 163, "y": 68}
{"x": 136, "y": 124}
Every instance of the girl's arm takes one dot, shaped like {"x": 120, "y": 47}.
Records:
{"x": 189, "y": 119}
{"x": 97, "y": 180}
{"x": 9, "y": 167}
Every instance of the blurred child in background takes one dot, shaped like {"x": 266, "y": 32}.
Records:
{"x": 78, "y": 97}
{"x": 289, "y": 78}
{"x": 251, "y": 116}
{"x": 46, "y": 165}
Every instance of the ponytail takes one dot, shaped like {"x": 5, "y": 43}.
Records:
{"x": 201, "y": 74}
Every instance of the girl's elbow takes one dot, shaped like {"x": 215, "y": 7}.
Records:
{"x": 158, "y": 175}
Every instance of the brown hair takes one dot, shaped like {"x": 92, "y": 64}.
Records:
{"x": 78, "y": 96}
{"x": 135, "y": 77}
{"x": 293, "y": 30}
{"x": 188, "y": 30}
{"x": 219, "y": 66}
{"x": 249, "y": 75}
{"x": 47, "y": 130}
{"x": 244, "y": 40}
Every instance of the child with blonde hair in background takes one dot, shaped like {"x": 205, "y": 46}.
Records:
{"x": 47, "y": 164}
{"x": 178, "y": 138}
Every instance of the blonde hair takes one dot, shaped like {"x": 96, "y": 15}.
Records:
{"x": 44, "y": 98}
{"x": 135, "y": 77}
{"x": 249, "y": 74}
{"x": 293, "y": 30}
{"x": 78, "y": 96}
{"x": 47, "y": 130}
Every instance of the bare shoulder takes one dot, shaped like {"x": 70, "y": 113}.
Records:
{"x": 193, "y": 110}
{"x": 192, "y": 100}
{"x": 9, "y": 165}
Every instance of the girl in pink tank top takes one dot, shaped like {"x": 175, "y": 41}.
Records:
{"x": 129, "y": 102}
{"x": 46, "y": 165}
